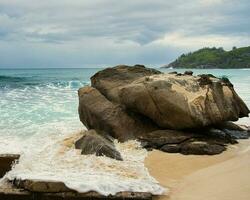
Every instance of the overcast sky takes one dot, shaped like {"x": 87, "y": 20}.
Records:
{"x": 87, "y": 33}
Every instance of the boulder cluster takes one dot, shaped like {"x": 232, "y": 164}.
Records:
{"x": 176, "y": 113}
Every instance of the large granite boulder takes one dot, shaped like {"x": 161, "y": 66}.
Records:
{"x": 93, "y": 143}
{"x": 177, "y": 113}
{"x": 172, "y": 101}
{"x": 97, "y": 112}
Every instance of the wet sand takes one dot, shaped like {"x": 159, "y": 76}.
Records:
{"x": 225, "y": 176}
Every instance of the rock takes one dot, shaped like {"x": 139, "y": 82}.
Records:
{"x": 170, "y": 112}
{"x": 232, "y": 126}
{"x": 172, "y": 102}
{"x": 6, "y": 161}
{"x": 174, "y": 72}
{"x": 201, "y": 148}
{"x": 97, "y": 112}
{"x": 190, "y": 73}
{"x": 109, "y": 80}
{"x": 41, "y": 186}
{"x": 93, "y": 143}
{"x": 209, "y": 142}
{"x": 220, "y": 136}
{"x": 159, "y": 138}
{"x": 8, "y": 191}
{"x": 234, "y": 131}
{"x": 171, "y": 148}
{"x": 205, "y": 79}
{"x": 236, "y": 134}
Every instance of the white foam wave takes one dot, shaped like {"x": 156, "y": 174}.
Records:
{"x": 58, "y": 160}
{"x": 34, "y": 123}
{"x": 244, "y": 121}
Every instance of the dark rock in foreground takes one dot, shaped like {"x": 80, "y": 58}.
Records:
{"x": 201, "y": 148}
{"x": 172, "y": 141}
{"x": 41, "y": 186}
{"x": 8, "y": 191}
{"x": 92, "y": 143}
{"x": 157, "y": 139}
{"x": 6, "y": 161}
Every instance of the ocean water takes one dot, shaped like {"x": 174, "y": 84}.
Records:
{"x": 40, "y": 102}
{"x": 38, "y": 110}
{"x": 39, "y": 120}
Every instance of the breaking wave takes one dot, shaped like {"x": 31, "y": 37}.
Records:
{"x": 59, "y": 161}
{"x": 37, "y": 115}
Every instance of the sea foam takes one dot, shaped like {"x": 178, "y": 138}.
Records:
{"x": 55, "y": 159}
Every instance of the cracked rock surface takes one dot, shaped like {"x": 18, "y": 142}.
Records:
{"x": 177, "y": 113}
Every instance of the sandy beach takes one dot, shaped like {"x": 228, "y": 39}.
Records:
{"x": 224, "y": 177}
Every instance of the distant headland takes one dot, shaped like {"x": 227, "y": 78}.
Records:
{"x": 213, "y": 58}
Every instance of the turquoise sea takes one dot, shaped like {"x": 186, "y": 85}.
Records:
{"x": 42, "y": 102}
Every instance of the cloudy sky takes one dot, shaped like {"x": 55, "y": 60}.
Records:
{"x": 87, "y": 33}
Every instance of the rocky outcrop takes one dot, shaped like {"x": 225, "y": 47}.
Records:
{"x": 39, "y": 190}
{"x": 41, "y": 186}
{"x": 172, "y": 112}
{"x": 171, "y": 101}
{"x": 97, "y": 112}
{"x": 93, "y": 143}
{"x": 210, "y": 141}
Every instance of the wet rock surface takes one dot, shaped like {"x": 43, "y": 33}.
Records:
{"x": 41, "y": 186}
{"x": 210, "y": 141}
{"x": 6, "y": 162}
{"x": 93, "y": 143}
{"x": 201, "y": 148}
{"x": 10, "y": 191}
{"x": 177, "y": 113}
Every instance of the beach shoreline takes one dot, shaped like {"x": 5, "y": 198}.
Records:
{"x": 203, "y": 177}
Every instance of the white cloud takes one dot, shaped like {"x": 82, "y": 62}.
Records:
{"x": 212, "y": 2}
{"x": 111, "y": 31}
{"x": 193, "y": 42}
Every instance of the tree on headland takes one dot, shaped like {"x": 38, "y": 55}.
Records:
{"x": 214, "y": 58}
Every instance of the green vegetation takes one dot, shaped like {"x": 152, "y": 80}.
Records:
{"x": 214, "y": 58}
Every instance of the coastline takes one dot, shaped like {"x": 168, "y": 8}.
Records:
{"x": 49, "y": 153}
{"x": 224, "y": 176}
